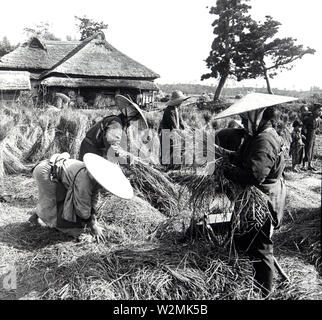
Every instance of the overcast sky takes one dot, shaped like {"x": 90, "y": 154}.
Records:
{"x": 172, "y": 37}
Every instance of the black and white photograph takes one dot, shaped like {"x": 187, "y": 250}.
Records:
{"x": 162, "y": 156}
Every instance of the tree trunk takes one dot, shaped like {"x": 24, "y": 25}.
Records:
{"x": 269, "y": 89}
{"x": 220, "y": 87}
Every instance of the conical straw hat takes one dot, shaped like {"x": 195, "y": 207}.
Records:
{"x": 125, "y": 103}
{"x": 109, "y": 175}
{"x": 253, "y": 101}
{"x": 177, "y": 97}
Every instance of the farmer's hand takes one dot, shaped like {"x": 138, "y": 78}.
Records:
{"x": 97, "y": 232}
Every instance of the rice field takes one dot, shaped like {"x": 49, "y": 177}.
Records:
{"x": 147, "y": 255}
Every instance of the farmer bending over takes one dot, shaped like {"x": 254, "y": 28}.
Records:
{"x": 259, "y": 162}
{"x": 68, "y": 194}
{"x": 105, "y": 136}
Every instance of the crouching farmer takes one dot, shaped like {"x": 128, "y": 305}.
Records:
{"x": 67, "y": 194}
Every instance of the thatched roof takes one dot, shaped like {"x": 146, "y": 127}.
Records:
{"x": 37, "y": 55}
{"x": 14, "y": 80}
{"x": 95, "y": 57}
{"x": 99, "y": 83}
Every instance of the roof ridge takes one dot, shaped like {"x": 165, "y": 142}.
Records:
{"x": 102, "y": 39}
{"x": 71, "y": 53}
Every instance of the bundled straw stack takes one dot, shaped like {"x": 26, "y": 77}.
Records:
{"x": 69, "y": 133}
{"x": 128, "y": 220}
{"x": 154, "y": 187}
{"x": 5, "y": 128}
{"x": 249, "y": 205}
{"x": 11, "y": 146}
{"x": 43, "y": 137}
{"x": 251, "y": 210}
{"x": 204, "y": 186}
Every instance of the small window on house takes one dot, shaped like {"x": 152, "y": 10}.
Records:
{"x": 36, "y": 43}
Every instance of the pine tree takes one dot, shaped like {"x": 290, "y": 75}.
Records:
{"x": 87, "y": 27}
{"x": 263, "y": 55}
{"x": 229, "y": 27}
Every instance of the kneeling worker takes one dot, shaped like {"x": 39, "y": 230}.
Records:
{"x": 68, "y": 190}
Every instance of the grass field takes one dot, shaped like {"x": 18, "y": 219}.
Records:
{"x": 144, "y": 257}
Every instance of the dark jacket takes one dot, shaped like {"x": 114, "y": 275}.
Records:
{"x": 260, "y": 162}
{"x": 95, "y": 140}
{"x": 170, "y": 119}
{"x": 310, "y": 127}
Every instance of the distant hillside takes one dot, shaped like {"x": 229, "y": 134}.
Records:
{"x": 231, "y": 92}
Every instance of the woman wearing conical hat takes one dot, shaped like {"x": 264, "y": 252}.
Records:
{"x": 259, "y": 162}
{"x": 105, "y": 136}
{"x": 68, "y": 192}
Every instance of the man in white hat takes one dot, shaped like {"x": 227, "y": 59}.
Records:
{"x": 171, "y": 117}
{"x": 68, "y": 190}
{"x": 106, "y": 134}
{"x": 171, "y": 120}
{"x": 259, "y": 162}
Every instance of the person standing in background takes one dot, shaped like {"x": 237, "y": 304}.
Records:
{"x": 297, "y": 145}
{"x": 311, "y": 124}
{"x": 171, "y": 121}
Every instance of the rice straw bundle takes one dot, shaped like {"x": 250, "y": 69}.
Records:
{"x": 6, "y": 125}
{"x": 251, "y": 210}
{"x": 204, "y": 186}
{"x": 1, "y": 161}
{"x": 133, "y": 219}
{"x": 31, "y": 154}
{"x": 44, "y": 138}
{"x": 69, "y": 133}
{"x": 249, "y": 205}
{"x": 22, "y": 143}
{"x": 12, "y": 162}
{"x": 154, "y": 186}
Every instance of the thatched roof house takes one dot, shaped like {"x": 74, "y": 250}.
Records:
{"x": 12, "y": 83}
{"x": 92, "y": 69}
{"x": 36, "y": 56}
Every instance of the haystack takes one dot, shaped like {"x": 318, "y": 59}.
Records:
{"x": 10, "y": 147}
{"x": 42, "y": 136}
{"x": 128, "y": 220}
{"x": 69, "y": 134}
{"x": 5, "y": 128}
